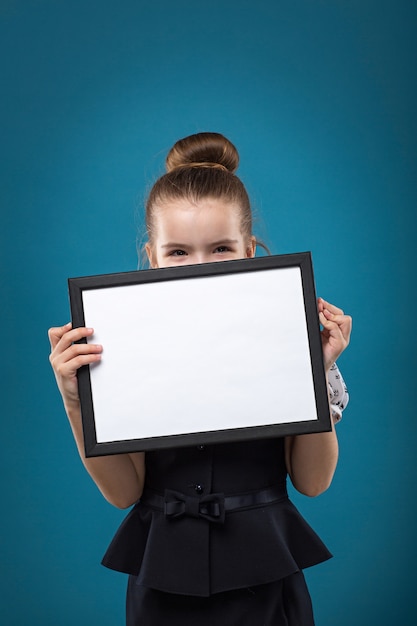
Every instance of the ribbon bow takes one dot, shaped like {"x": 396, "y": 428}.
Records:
{"x": 210, "y": 507}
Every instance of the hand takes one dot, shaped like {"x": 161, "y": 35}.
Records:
{"x": 336, "y": 331}
{"x": 67, "y": 357}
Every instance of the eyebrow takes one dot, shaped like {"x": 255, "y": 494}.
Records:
{"x": 214, "y": 243}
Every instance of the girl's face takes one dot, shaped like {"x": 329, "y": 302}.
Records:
{"x": 189, "y": 233}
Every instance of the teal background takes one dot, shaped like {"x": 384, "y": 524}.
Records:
{"x": 320, "y": 99}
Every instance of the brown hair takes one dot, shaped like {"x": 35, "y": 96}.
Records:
{"x": 200, "y": 166}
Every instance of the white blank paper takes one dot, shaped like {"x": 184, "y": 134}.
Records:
{"x": 200, "y": 354}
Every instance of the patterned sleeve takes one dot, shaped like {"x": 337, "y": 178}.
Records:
{"x": 338, "y": 393}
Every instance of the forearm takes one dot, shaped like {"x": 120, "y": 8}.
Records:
{"x": 119, "y": 477}
{"x": 312, "y": 460}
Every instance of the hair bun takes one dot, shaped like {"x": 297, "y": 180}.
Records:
{"x": 207, "y": 149}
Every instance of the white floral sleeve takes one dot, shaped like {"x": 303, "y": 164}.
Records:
{"x": 338, "y": 393}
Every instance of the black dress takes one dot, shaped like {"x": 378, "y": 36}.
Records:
{"x": 215, "y": 540}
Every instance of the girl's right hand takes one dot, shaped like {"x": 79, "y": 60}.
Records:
{"x": 67, "y": 357}
{"x": 120, "y": 477}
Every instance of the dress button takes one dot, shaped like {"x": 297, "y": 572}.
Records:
{"x": 199, "y": 488}
{"x": 201, "y": 447}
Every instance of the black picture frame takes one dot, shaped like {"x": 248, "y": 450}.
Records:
{"x": 201, "y": 354}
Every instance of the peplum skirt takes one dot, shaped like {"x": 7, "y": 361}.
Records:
{"x": 193, "y": 556}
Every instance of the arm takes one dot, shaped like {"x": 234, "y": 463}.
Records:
{"x": 120, "y": 477}
{"x": 311, "y": 459}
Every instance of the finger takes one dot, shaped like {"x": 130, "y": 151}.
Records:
{"x": 73, "y": 351}
{"x": 339, "y": 318}
{"x": 330, "y": 307}
{"x": 68, "y": 369}
{"x": 77, "y": 349}
{"x": 56, "y": 333}
{"x": 344, "y": 322}
{"x": 65, "y": 364}
{"x": 71, "y": 336}
{"x": 326, "y": 320}
{"x": 346, "y": 327}
{"x": 331, "y": 327}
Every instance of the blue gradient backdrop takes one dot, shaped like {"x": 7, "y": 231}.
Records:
{"x": 319, "y": 96}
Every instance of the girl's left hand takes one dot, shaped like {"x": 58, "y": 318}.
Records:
{"x": 336, "y": 331}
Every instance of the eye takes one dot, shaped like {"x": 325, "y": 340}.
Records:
{"x": 222, "y": 249}
{"x": 177, "y": 253}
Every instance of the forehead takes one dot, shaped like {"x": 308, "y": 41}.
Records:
{"x": 183, "y": 217}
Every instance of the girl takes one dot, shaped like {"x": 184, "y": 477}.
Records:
{"x": 185, "y": 565}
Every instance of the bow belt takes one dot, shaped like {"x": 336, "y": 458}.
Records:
{"x": 211, "y": 507}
